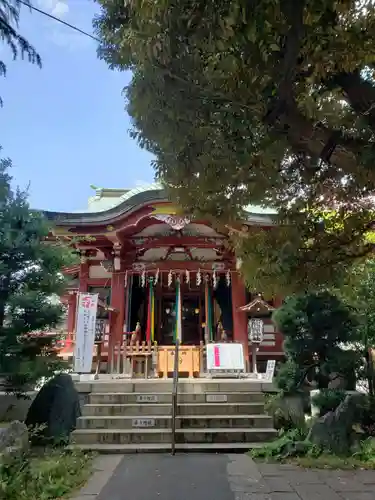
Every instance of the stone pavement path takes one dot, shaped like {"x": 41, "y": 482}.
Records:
{"x": 226, "y": 477}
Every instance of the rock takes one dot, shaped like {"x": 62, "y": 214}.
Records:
{"x": 333, "y": 432}
{"x": 14, "y": 440}
{"x": 337, "y": 382}
{"x": 288, "y": 411}
{"x": 294, "y": 449}
{"x": 14, "y": 435}
{"x": 54, "y": 411}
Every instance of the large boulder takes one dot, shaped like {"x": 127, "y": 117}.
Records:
{"x": 333, "y": 432}
{"x": 54, "y": 412}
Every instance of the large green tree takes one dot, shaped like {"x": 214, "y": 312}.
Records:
{"x": 9, "y": 34}
{"x": 30, "y": 282}
{"x": 267, "y": 102}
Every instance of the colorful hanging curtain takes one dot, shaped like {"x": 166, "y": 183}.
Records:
{"x": 178, "y": 326}
{"x": 129, "y": 304}
{"x": 150, "y": 329}
{"x": 208, "y": 311}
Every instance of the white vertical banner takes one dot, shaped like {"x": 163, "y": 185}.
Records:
{"x": 85, "y": 332}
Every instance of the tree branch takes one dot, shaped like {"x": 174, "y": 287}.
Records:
{"x": 304, "y": 135}
{"x": 285, "y": 72}
{"x": 359, "y": 93}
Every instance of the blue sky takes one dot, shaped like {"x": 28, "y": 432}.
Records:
{"x": 64, "y": 126}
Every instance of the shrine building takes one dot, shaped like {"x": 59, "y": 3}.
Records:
{"x": 142, "y": 257}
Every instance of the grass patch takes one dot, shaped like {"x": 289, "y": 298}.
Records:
{"x": 48, "y": 475}
{"x": 333, "y": 462}
{"x": 293, "y": 447}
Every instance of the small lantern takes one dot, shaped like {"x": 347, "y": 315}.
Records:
{"x": 255, "y": 330}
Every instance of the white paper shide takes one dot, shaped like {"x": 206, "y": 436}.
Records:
{"x": 85, "y": 332}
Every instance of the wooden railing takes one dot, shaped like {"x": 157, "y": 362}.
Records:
{"x": 138, "y": 360}
{"x": 144, "y": 359}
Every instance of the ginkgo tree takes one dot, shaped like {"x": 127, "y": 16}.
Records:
{"x": 268, "y": 102}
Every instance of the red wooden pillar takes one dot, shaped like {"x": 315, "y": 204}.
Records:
{"x": 83, "y": 276}
{"x": 239, "y": 317}
{"x": 278, "y": 302}
{"x": 72, "y": 309}
{"x": 118, "y": 303}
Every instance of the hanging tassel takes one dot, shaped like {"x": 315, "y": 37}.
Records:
{"x": 156, "y": 279}
{"x": 228, "y": 277}
{"x": 143, "y": 279}
{"x": 169, "y": 278}
{"x": 199, "y": 277}
{"x": 126, "y": 279}
{"x": 187, "y": 276}
{"x": 214, "y": 280}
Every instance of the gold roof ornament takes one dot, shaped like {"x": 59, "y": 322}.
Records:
{"x": 257, "y": 307}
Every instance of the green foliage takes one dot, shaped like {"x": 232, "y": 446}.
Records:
{"x": 30, "y": 284}
{"x": 52, "y": 475}
{"x": 288, "y": 377}
{"x": 295, "y": 446}
{"x": 316, "y": 327}
{"x": 55, "y": 410}
{"x": 243, "y": 103}
{"x": 359, "y": 291}
{"x": 280, "y": 448}
{"x": 367, "y": 420}
{"x": 366, "y": 451}
{"x": 19, "y": 46}
{"x": 328, "y": 400}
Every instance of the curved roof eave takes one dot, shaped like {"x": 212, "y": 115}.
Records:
{"x": 134, "y": 202}
{"x": 106, "y": 216}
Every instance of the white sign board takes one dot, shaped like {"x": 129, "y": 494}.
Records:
{"x": 270, "y": 370}
{"x": 85, "y": 332}
{"x": 143, "y": 422}
{"x": 147, "y": 398}
{"x": 225, "y": 357}
{"x": 216, "y": 398}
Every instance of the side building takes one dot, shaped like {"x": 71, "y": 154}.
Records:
{"x": 141, "y": 256}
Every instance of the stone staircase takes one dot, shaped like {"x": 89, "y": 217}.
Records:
{"x": 123, "y": 416}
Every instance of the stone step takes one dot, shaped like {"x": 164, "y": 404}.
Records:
{"x": 162, "y": 397}
{"x": 224, "y": 421}
{"x": 135, "y": 436}
{"x": 189, "y": 386}
{"x": 107, "y": 410}
{"x": 182, "y": 422}
{"x": 165, "y": 447}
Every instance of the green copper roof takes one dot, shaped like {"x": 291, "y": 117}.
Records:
{"x": 108, "y": 204}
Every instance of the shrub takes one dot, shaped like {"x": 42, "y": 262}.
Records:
{"x": 290, "y": 443}
{"x": 368, "y": 416}
{"x": 46, "y": 477}
{"x": 316, "y": 327}
{"x": 328, "y": 400}
{"x": 366, "y": 452}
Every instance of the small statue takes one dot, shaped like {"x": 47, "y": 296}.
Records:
{"x": 136, "y": 335}
{"x": 221, "y": 334}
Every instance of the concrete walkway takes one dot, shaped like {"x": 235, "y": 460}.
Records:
{"x": 219, "y": 477}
